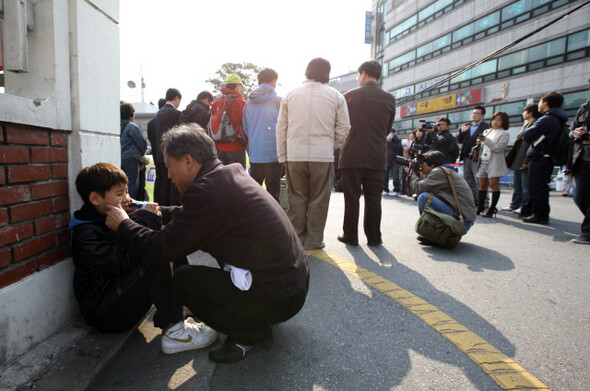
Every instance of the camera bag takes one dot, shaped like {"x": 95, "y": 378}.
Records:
{"x": 440, "y": 228}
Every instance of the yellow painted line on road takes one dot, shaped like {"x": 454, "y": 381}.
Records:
{"x": 501, "y": 368}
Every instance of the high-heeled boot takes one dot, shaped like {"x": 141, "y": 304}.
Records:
{"x": 482, "y": 199}
{"x": 492, "y": 211}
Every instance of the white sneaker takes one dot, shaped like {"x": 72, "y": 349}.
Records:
{"x": 394, "y": 194}
{"x": 517, "y": 211}
{"x": 507, "y": 209}
{"x": 187, "y": 335}
{"x": 385, "y": 193}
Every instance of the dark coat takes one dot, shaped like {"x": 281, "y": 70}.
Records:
{"x": 372, "y": 112}
{"x": 152, "y": 134}
{"x": 394, "y": 148}
{"x": 166, "y": 118}
{"x": 446, "y": 143}
{"x": 229, "y": 215}
{"x": 100, "y": 259}
{"x": 548, "y": 125}
{"x": 196, "y": 112}
{"x": 468, "y": 140}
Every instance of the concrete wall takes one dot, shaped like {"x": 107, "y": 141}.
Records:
{"x": 71, "y": 88}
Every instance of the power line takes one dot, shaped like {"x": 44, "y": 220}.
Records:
{"x": 492, "y": 55}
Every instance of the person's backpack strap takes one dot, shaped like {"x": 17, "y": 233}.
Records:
{"x": 429, "y": 200}
{"x": 450, "y": 178}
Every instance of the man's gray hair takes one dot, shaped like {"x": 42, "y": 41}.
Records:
{"x": 189, "y": 139}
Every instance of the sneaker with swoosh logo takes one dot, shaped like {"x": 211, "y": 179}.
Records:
{"x": 187, "y": 335}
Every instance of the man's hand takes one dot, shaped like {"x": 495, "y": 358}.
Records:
{"x": 115, "y": 215}
{"x": 465, "y": 127}
{"x": 578, "y": 132}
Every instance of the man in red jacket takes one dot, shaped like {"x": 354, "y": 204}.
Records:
{"x": 231, "y": 152}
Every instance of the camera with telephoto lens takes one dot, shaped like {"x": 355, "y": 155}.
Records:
{"x": 427, "y": 126}
{"x": 414, "y": 163}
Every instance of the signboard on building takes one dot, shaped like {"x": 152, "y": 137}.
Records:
{"x": 446, "y": 102}
{"x": 368, "y": 26}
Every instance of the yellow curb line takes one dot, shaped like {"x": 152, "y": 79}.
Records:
{"x": 501, "y": 368}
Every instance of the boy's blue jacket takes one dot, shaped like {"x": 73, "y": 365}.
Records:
{"x": 260, "y": 121}
{"x": 100, "y": 260}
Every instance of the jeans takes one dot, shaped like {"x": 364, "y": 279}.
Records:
{"x": 130, "y": 166}
{"x": 582, "y": 200}
{"x": 392, "y": 170}
{"x": 520, "y": 194}
{"x": 439, "y": 206}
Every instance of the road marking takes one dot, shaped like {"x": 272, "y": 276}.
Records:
{"x": 501, "y": 368}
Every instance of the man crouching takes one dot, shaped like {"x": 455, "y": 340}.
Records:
{"x": 263, "y": 276}
{"x": 431, "y": 178}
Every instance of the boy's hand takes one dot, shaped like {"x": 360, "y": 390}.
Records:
{"x": 154, "y": 208}
{"x": 115, "y": 215}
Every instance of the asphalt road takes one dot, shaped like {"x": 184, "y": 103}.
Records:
{"x": 506, "y": 308}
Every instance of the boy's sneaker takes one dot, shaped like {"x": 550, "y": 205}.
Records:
{"x": 581, "y": 240}
{"x": 394, "y": 194}
{"x": 187, "y": 335}
{"x": 385, "y": 193}
{"x": 507, "y": 209}
{"x": 517, "y": 211}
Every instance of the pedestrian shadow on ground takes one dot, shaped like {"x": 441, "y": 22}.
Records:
{"x": 476, "y": 258}
{"x": 559, "y": 230}
{"x": 350, "y": 336}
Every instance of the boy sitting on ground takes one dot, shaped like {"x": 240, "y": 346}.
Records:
{"x": 115, "y": 287}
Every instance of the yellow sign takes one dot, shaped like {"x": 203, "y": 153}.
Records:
{"x": 437, "y": 104}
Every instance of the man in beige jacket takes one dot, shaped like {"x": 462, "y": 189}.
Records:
{"x": 313, "y": 122}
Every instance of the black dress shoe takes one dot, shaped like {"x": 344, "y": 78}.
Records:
{"x": 342, "y": 239}
{"x": 229, "y": 352}
{"x": 535, "y": 220}
{"x": 374, "y": 244}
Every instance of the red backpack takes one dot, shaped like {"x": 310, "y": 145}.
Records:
{"x": 220, "y": 128}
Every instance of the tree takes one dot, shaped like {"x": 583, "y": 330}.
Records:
{"x": 247, "y": 71}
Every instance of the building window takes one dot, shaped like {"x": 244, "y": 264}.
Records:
{"x": 490, "y": 24}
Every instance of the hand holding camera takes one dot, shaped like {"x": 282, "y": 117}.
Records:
{"x": 481, "y": 138}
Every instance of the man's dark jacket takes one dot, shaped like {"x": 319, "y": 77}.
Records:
{"x": 372, "y": 112}
{"x": 446, "y": 143}
{"x": 197, "y": 112}
{"x": 152, "y": 134}
{"x": 166, "y": 118}
{"x": 548, "y": 125}
{"x": 229, "y": 215}
{"x": 394, "y": 148}
{"x": 468, "y": 140}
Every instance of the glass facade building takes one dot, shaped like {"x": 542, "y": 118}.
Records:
{"x": 423, "y": 45}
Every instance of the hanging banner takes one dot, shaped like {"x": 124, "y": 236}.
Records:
{"x": 368, "y": 26}
{"x": 442, "y": 103}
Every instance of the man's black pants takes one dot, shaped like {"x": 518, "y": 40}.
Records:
{"x": 371, "y": 182}
{"x": 245, "y": 316}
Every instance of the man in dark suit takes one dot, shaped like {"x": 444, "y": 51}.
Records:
{"x": 467, "y": 135}
{"x": 153, "y": 137}
{"x": 363, "y": 158}
{"x": 166, "y": 119}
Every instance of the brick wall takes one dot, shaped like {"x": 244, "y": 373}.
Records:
{"x": 34, "y": 203}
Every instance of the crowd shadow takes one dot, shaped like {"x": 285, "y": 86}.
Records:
{"x": 350, "y": 336}
{"x": 559, "y": 230}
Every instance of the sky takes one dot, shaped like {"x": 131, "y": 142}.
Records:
{"x": 181, "y": 43}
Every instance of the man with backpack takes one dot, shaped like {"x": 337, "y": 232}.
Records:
{"x": 543, "y": 136}
{"x": 225, "y": 127}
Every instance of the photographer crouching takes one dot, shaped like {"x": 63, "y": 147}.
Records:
{"x": 430, "y": 177}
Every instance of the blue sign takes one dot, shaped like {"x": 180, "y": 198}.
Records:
{"x": 151, "y": 174}
{"x": 368, "y": 26}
